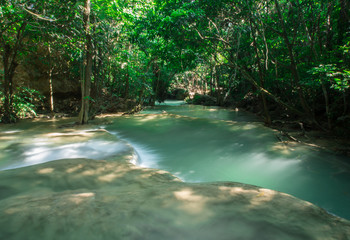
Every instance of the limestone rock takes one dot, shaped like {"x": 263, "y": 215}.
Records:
{"x": 107, "y": 197}
{"x": 97, "y": 199}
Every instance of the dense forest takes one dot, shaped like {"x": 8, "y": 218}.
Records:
{"x": 279, "y": 58}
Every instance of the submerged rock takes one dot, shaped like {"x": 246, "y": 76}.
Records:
{"x": 98, "y": 199}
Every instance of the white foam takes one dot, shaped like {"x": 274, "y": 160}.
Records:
{"x": 10, "y": 132}
{"x": 144, "y": 156}
{"x": 92, "y": 149}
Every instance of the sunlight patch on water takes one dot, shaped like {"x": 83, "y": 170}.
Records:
{"x": 261, "y": 161}
{"x": 249, "y": 127}
{"x": 283, "y": 149}
{"x": 259, "y": 169}
{"x": 148, "y": 118}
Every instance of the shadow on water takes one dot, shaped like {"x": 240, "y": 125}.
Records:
{"x": 196, "y": 144}
{"x": 204, "y": 144}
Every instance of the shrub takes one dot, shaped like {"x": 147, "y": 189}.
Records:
{"x": 25, "y": 103}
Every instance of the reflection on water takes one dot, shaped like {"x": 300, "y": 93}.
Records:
{"x": 201, "y": 144}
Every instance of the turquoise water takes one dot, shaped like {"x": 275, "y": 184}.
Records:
{"x": 205, "y": 144}
{"x": 196, "y": 144}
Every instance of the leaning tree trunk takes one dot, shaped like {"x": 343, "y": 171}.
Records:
{"x": 247, "y": 76}
{"x": 86, "y": 81}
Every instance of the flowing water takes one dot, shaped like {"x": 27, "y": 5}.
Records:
{"x": 204, "y": 144}
{"x": 196, "y": 144}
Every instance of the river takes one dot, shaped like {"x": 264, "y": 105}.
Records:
{"x": 196, "y": 144}
{"x": 205, "y": 144}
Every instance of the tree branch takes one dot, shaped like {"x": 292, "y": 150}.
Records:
{"x": 37, "y": 15}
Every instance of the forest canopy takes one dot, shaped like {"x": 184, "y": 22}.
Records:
{"x": 290, "y": 57}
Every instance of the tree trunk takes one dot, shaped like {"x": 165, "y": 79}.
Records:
{"x": 345, "y": 108}
{"x": 267, "y": 116}
{"x": 7, "y": 118}
{"x": 309, "y": 35}
{"x": 212, "y": 82}
{"x": 329, "y": 32}
{"x": 10, "y": 64}
{"x": 293, "y": 65}
{"x": 86, "y": 81}
{"x": 247, "y": 76}
{"x": 217, "y": 88}
{"x": 326, "y": 98}
{"x": 50, "y": 81}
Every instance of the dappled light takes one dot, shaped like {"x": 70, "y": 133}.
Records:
{"x": 74, "y": 168}
{"x": 193, "y": 203}
{"x": 109, "y": 177}
{"x": 256, "y": 196}
{"x": 198, "y": 144}
{"x": 81, "y": 197}
{"x": 148, "y": 118}
{"x": 249, "y": 126}
{"x": 282, "y": 148}
{"x": 193, "y": 147}
{"x": 174, "y": 120}
{"x": 46, "y": 170}
{"x": 112, "y": 195}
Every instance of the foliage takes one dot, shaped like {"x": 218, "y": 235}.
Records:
{"x": 26, "y": 103}
{"x": 339, "y": 79}
{"x": 293, "y": 55}
{"x": 205, "y": 100}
